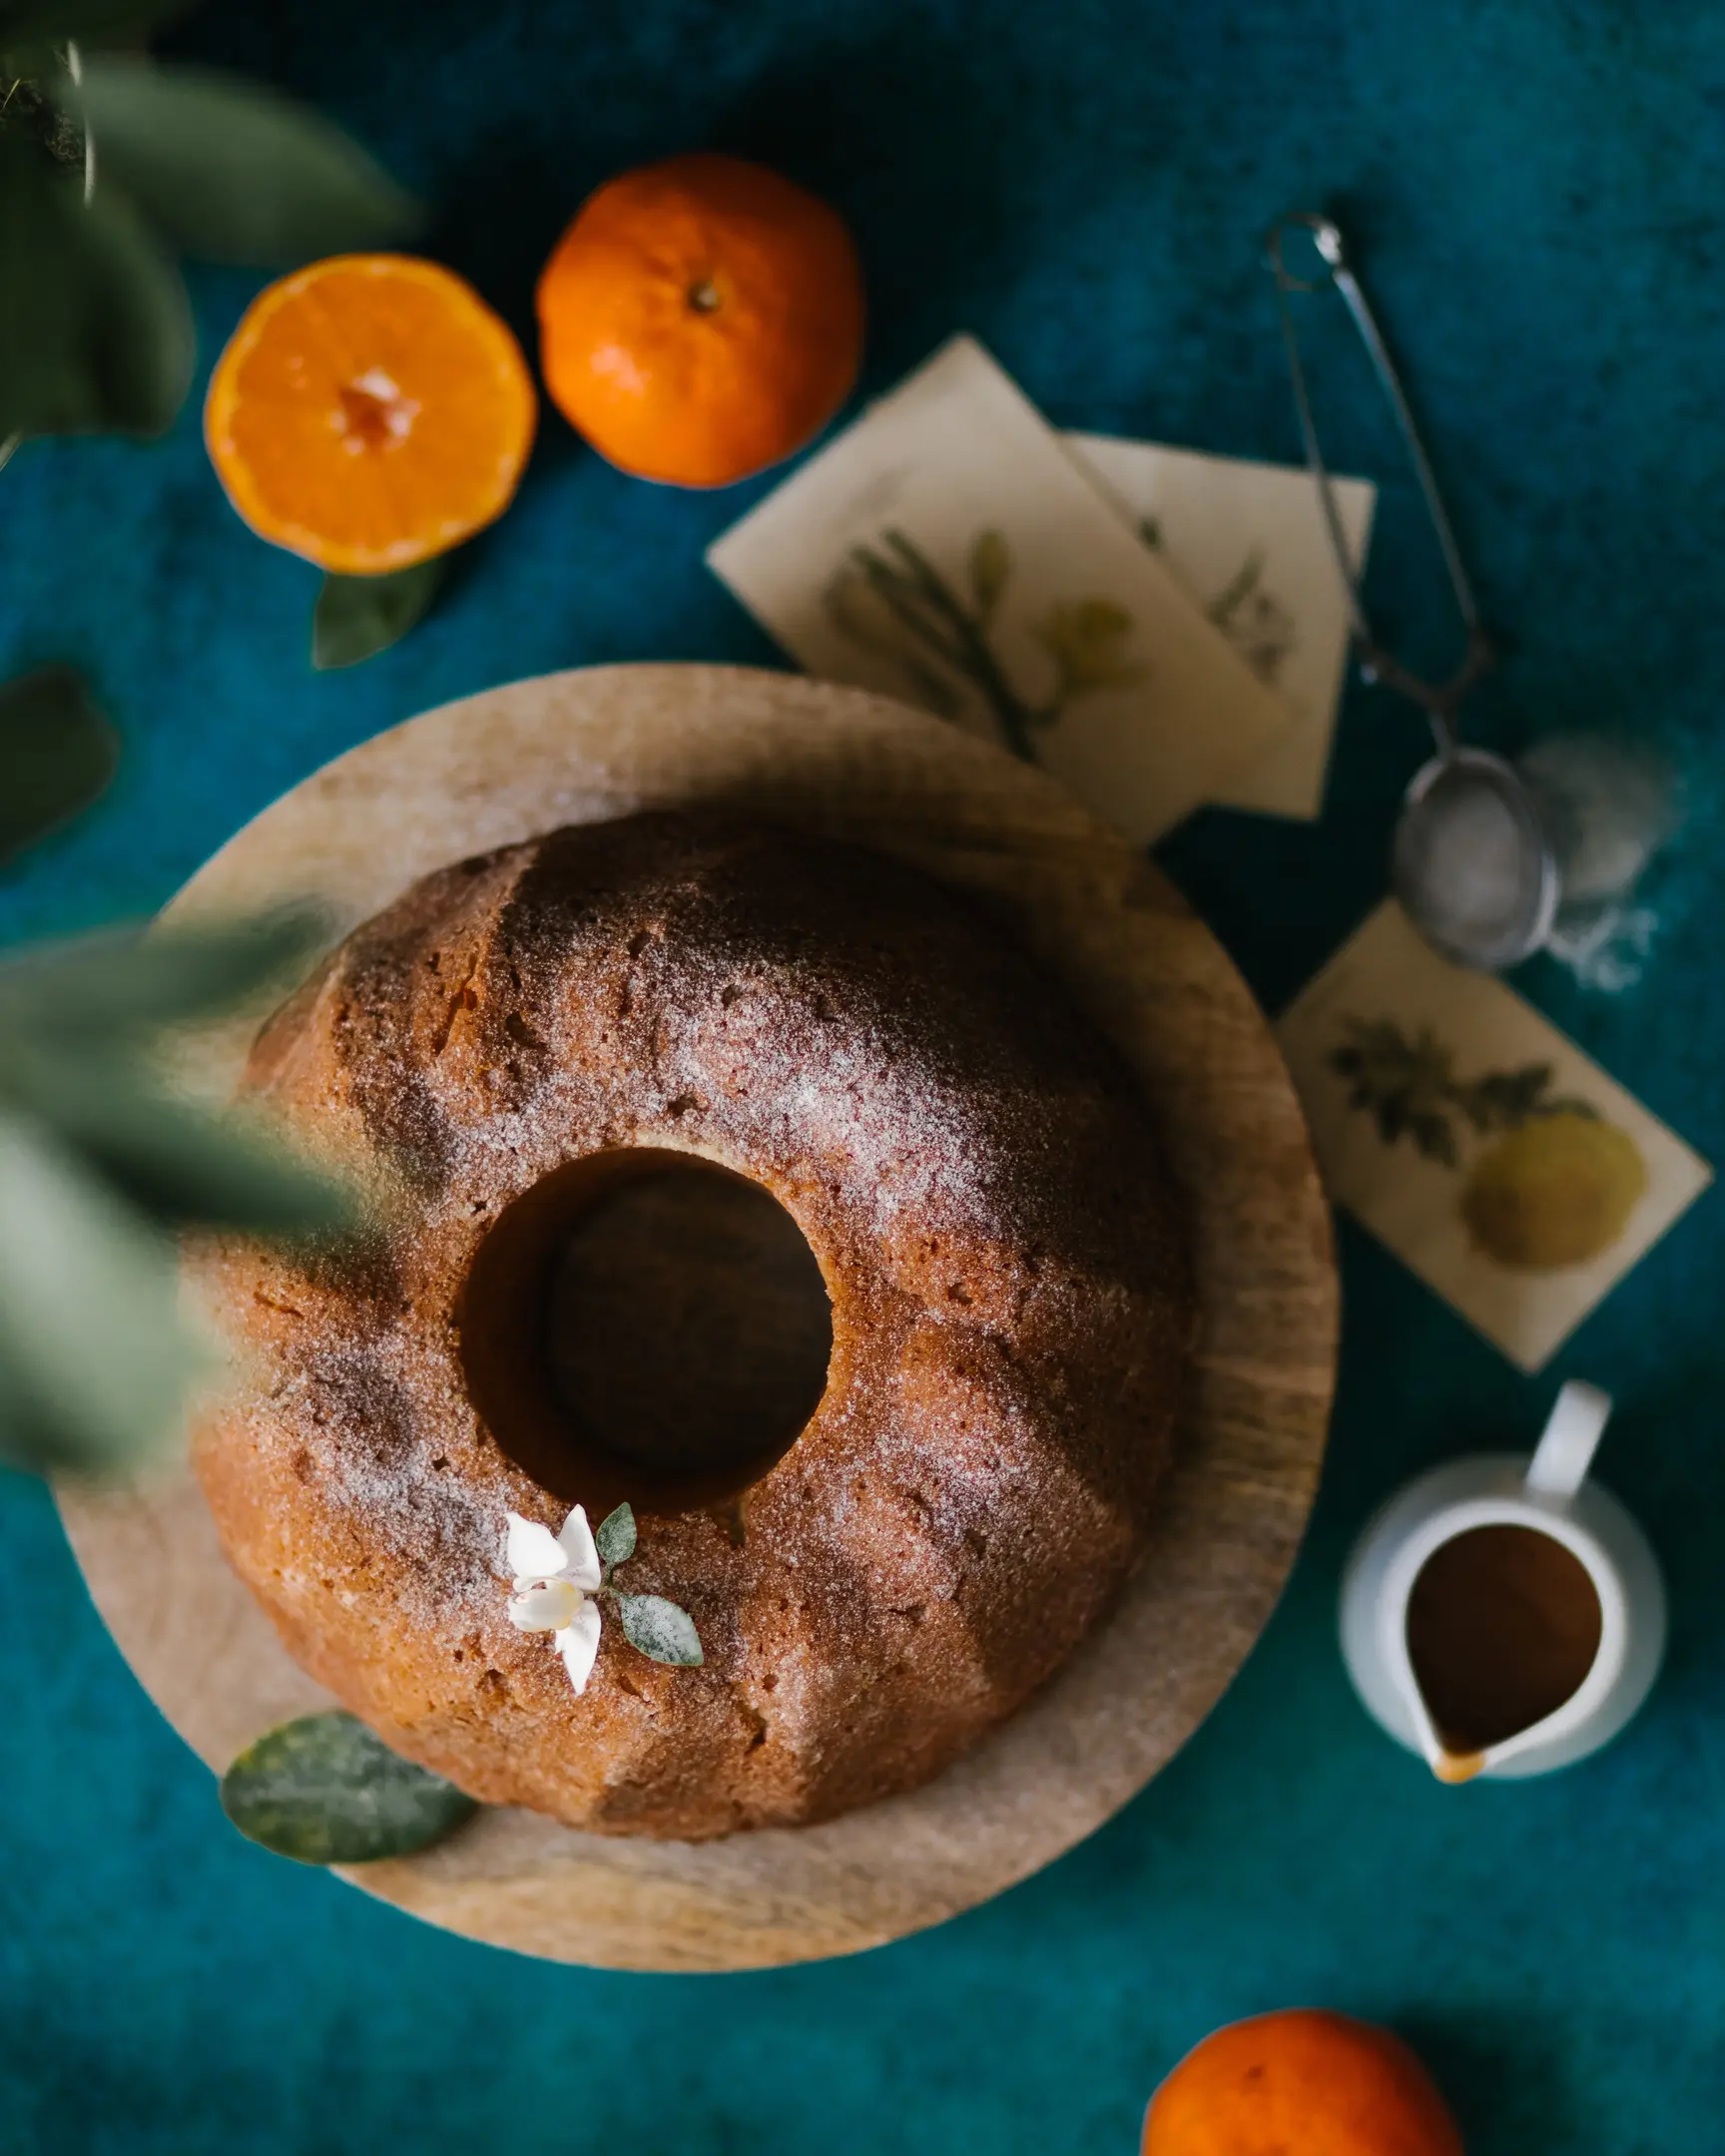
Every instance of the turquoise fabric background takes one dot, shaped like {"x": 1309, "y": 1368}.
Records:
{"x": 1536, "y": 189}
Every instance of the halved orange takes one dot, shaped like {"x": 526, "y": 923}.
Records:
{"x": 368, "y": 412}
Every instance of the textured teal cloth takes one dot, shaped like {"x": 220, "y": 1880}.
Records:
{"x": 1537, "y": 187}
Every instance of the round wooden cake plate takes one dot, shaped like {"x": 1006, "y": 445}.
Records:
{"x": 580, "y": 747}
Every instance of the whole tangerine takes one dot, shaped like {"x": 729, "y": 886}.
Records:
{"x": 1300, "y": 2083}
{"x": 700, "y": 320}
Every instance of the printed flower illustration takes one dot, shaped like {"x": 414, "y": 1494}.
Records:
{"x": 1086, "y": 639}
{"x": 557, "y": 1577}
{"x": 560, "y": 1579}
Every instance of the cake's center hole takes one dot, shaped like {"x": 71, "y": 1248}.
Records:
{"x": 646, "y": 1326}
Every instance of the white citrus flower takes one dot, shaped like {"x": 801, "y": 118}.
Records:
{"x": 556, "y": 1577}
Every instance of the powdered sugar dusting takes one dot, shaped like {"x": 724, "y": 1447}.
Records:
{"x": 970, "y": 1167}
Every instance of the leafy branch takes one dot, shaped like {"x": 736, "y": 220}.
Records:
{"x": 108, "y": 162}
{"x": 101, "y": 1162}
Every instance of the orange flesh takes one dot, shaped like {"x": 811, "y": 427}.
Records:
{"x": 369, "y": 411}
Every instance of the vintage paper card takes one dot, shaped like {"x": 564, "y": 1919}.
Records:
{"x": 948, "y": 549}
{"x": 1476, "y": 1140}
{"x": 1248, "y": 540}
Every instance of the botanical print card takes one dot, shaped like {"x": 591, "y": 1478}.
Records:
{"x": 948, "y": 549}
{"x": 1476, "y": 1140}
{"x": 1249, "y": 541}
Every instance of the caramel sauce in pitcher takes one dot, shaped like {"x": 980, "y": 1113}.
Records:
{"x": 1504, "y": 1624}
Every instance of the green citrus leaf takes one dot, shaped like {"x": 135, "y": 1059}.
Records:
{"x": 124, "y": 983}
{"x": 359, "y": 616}
{"x": 234, "y": 171}
{"x": 659, "y": 1630}
{"x": 57, "y": 753}
{"x": 615, "y": 1539}
{"x": 96, "y": 333}
{"x": 95, "y": 1358}
{"x": 327, "y": 1790}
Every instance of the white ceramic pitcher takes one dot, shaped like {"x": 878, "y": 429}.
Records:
{"x": 1551, "y": 1495}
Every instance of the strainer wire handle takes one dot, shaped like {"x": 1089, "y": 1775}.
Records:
{"x": 1436, "y": 699}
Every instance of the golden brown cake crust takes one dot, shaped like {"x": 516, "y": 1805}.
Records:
{"x": 970, "y": 1164}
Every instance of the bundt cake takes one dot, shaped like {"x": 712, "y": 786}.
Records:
{"x": 763, "y": 1183}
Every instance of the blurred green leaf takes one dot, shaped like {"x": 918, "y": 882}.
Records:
{"x": 96, "y": 330}
{"x": 327, "y": 1790}
{"x": 24, "y": 19}
{"x": 56, "y": 754}
{"x": 659, "y": 1630}
{"x": 91, "y": 1341}
{"x": 125, "y": 983}
{"x": 232, "y": 170}
{"x": 175, "y": 1160}
{"x": 359, "y": 616}
{"x": 31, "y": 1439}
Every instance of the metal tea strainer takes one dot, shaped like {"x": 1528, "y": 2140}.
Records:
{"x": 1471, "y": 861}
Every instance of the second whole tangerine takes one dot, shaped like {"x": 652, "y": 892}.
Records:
{"x": 701, "y": 319}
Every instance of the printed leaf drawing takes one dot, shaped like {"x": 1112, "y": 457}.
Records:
{"x": 1252, "y": 617}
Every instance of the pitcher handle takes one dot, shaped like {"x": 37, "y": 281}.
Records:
{"x": 1565, "y": 1450}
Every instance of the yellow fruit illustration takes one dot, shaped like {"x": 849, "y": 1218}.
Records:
{"x": 1558, "y": 1191}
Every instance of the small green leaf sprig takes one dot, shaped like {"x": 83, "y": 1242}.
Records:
{"x": 560, "y": 1581}
{"x": 324, "y": 1789}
